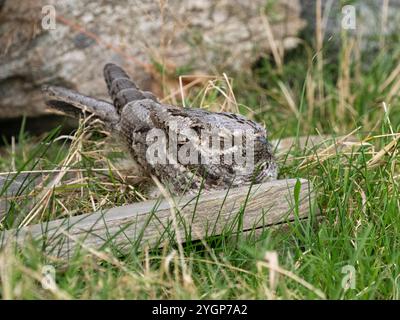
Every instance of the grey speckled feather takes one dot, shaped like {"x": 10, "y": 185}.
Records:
{"x": 135, "y": 113}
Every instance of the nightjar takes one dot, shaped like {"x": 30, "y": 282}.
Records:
{"x": 186, "y": 148}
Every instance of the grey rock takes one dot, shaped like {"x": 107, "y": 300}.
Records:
{"x": 195, "y": 35}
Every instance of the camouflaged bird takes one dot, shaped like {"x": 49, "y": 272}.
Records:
{"x": 135, "y": 115}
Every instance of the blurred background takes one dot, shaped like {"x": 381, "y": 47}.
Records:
{"x": 318, "y": 62}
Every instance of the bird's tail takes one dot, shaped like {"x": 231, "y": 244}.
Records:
{"x": 74, "y": 104}
{"x": 121, "y": 88}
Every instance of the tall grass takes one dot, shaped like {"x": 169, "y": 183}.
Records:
{"x": 315, "y": 90}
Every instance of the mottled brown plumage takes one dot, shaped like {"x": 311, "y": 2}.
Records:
{"x": 136, "y": 114}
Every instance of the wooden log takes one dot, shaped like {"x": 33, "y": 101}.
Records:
{"x": 151, "y": 222}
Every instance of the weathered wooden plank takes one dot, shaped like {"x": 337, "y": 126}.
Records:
{"x": 151, "y": 222}
{"x": 13, "y": 185}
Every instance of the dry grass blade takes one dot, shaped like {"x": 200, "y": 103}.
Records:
{"x": 275, "y": 48}
{"x": 291, "y": 275}
{"x": 323, "y": 155}
{"x": 289, "y": 99}
{"x": 46, "y": 193}
{"x": 385, "y": 150}
{"x": 187, "y": 279}
{"x": 392, "y": 76}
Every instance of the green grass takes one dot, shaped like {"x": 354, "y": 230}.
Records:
{"x": 358, "y": 198}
